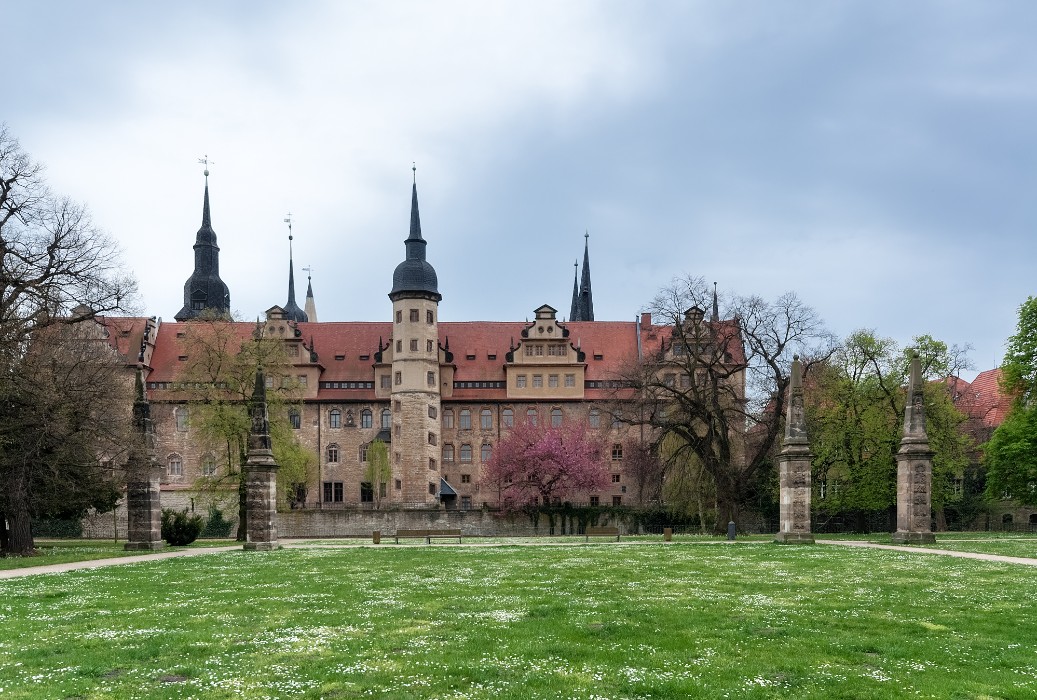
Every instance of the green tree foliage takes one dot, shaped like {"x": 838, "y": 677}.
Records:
{"x": 220, "y": 377}
{"x": 378, "y": 471}
{"x": 1011, "y": 454}
{"x": 855, "y": 413}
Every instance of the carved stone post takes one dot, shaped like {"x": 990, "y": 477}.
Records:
{"x": 143, "y": 495}
{"x": 260, "y": 476}
{"x": 914, "y": 469}
{"x": 794, "y": 468}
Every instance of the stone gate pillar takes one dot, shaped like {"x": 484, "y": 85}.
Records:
{"x": 143, "y": 474}
{"x": 914, "y": 468}
{"x": 260, "y": 476}
{"x": 794, "y": 468}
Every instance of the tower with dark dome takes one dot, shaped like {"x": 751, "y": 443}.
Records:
{"x": 204, "y": 290}
{"x": 415, "y": 296}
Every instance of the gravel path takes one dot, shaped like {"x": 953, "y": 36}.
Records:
{"x": 945, "y": 552}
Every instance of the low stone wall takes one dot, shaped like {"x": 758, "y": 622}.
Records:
{"x": 361, "y": 523}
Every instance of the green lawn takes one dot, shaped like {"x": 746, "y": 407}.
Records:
{"x": 65, "y": 551}
{"x": 744, "y": 620}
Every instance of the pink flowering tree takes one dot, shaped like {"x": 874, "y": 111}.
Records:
{"x": 536, "y": 464}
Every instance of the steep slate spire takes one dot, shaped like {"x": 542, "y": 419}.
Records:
{"x": 291, "y": 310}
{"x": 204, "y": 290}
{"x": 311, "y": 305}
{"x": 586, "y": 298}
{"x": 574, "y": 310}
{"x": 415, "y": 276}
{"x": 715, "y": 318}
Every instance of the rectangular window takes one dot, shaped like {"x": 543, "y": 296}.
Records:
{"x": 570, "y": 380}
{"x": 432, "y": 463}
{"x": 529, "y": 350}
{"x": 414, "y": 315}
{"x": 327, "y": 491}
{"x": 538, "y": 381}
{"x": 414, "y": 345}
{"x": 552, "y": 381}
{"x": 302, "y": 380}
{"x": 432, "y": 411}
{"x": 399, "y": 378}
{"x": 448, "y": 418}
{"x": 399, "y": 317}
{"x": 366, "y": 492}
{"x": 615, "y": 478}
{"x": 386, "y": 381}
{"x": 466, "y": 478}
{"x": 486, "y": 419}
{"x": 296, "y": 420}
{"x": 431, "y": 489}
{"x": 399, "y": 484}
{"x": 617, "y": 453}
{"x": 339, "y": 493}
{"x": 428, "y": 346}
{"x": 429, "y": 318}
{"x": 466, "y": 502}
{"x": 617, "y": 500}
{"x": 448, "y": 453}
{"x": 595, "y": 501}
{"x": 538, "y": 350}
{"x": 520, "y": 381}
{"x": 431, "y": 379}
{"x": 432, "y": 438}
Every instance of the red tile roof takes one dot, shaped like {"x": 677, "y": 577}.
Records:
{"x": 479, "y": 351}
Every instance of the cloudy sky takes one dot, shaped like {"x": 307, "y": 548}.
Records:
{"x": 879, "y": 158}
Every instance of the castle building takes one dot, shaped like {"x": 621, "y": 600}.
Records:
{"x": 439, "y": 394}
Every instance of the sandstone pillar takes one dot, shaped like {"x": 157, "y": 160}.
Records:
{"x": 143, "y": 495}
{"x": 914, "y": 469}
{"x": 260, "y": 476}
{"x": 794, "y": 468}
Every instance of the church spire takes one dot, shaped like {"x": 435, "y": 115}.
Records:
{"x": 204, "y": 290}
{"x": 715, "y": 318}
{"x": 311, "y": 305}
{"x": 574, "y": 310}
{"x": 586, "y": 297}
{"x": 291, "y": 310}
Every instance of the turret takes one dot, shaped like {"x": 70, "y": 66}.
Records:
{"x": 204, "y": 290}
{"x": 415, "y": 373}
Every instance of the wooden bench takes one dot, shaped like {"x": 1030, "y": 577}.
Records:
{"x": 429, "y": 535}
{"x": 601, "y": 532}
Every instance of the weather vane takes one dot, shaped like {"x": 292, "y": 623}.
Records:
{"x": 289, "y": 222}
{"x": 307, "y": 270}
{"x": 205, "y": 161}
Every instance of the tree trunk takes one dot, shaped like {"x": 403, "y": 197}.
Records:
{"x": 242, "y": 508}
{"x": 3, "y": 533}
{"x": 19, "y": 534}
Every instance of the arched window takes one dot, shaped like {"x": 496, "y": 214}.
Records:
{"x": 386, "y": 419}
{"x": 507, "y": 417}
{"x": 363, "y": 453}
{"x": 466, "y": 453}
{"x": 208, "y": 465}
{"x": 485, "y": 453}
{"x": 174, "y": 466}
{"x": 366, "y": 418}
{"x": 531, "y": 416}
{"x": 466, "y": 419}
{"x": 556, "y": 418}
{"x": 486, "y": 419}
{"x": 335, "y": 418}
{"x": 181, "y": 419}
{"x": 594, "y": 419}
{"x": 448, "y": 452}
{"x": 332, "y": 452}
{"x": 448, "y": 418}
